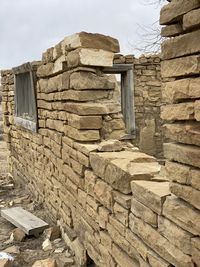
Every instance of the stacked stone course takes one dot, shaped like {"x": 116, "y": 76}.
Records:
{"x": 181, "y": 64}
{"x": 111, "y": 200}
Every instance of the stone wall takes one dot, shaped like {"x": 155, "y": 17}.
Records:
{"x": 181, "y": 64}
{"x": 147, "y": 99}
{"x": 111, "y": 200}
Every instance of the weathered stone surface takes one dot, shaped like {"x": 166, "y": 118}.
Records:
{"x": 182, "y": 45}
{"x": 89, "y": 57}
{"x": 45, "y": 263}
{"x": 176, "y": 235}
{"x": 186, "y": 193}
{"x": 121, "y": 214}
{"x": 52, "y": 233}
{"x": 122, "y": 199}
{"x": 90, "y": 81}
{"x": 151, "y": 194}
{"x": 157, "y": 261}
{"x": 119, "y": 168}
{"x": 143, "y": 212}
{"x": 182, "y": 214}
{"x": 45, "y": 70}
{"x": 159, "y": 243}
{"x": 187, "y": 154}
{"x": 180, "y": 90}
{"x": 103, "y": 193}
{"x": 174, "y": 10}
{"x": 188, "y": 133}
{"x": 197, "y": 110}
{"x": 178, "y": 172}
{"x": 47, "y": 56}
{"x": 172, "y": 30}
{"x": 18, "y": 235}
{"x": 196, "y": 250}
{"x": 182, "y": 111}
{"x": 191, "y": 19}
{"x": 85, "y": 122}
{"x": 183, "y": 66}
{"x": 90, "y": 40}
{"x": 110, "y": 146}
{"x": 6, "y": 263}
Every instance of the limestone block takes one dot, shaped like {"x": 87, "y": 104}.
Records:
{"x": 57, "y": 51}
{"x": 121, "y": 214}
{"x": 122, "y": 199}
{"x": 182, "y": 214}
{"x": 157, "y": 261}
{"x": 103, "y": 193}
{"x": 183, "y": 66}
{"x": 83, "y": 96}
{"x": 180, "y": 89}
{"x": 89, "y": 57}
{"x": 178, "y": 172}
{"x": 159, "y": 243}
{"x": 90, "y": 40}
{"x": 85, "y": 122}
{"x": 60, "y": 64}
{"x": 143, "y": 212}
{"x": 172, "y": 30}
{"x": 186, "y": 193}
{"x": 45, "y": 70}
{"x": 110, "y": 146}
{"x": 176, "y": 9}
{"x": 188, "y": 133}
{"x": 119, "y": 168}
{"x": 90, "y": 81}
{"x": 85, "y": 148}
{"x": 191, "y": 19}
{"x": 176, "y": 235}
{"x": 182, "y": 111}
{"x": 91, "y": 108}
{"x": 197, "y": 110}
{"x": 151, "y": 194}
{"x": 47, "y": 56}
{"x": 182, "y": 45}
{"x": 196, "y": 250}
{"x": 187, "y": 154}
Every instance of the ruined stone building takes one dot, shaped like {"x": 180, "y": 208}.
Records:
{"x": 114, "y": 203}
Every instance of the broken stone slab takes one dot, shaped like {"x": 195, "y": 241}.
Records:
{"x": 119, "y": 168}
{"x": 84, "y": 80}
{"x": 182, "y": 45}
{"x": 181, "y": 89}
{"x": 182, "y": 111}
{"x": 151, "y": 194}
{"x": 182, "y": 214}
{"x": 45, "y": 263}
{"x": 187, "y": 133}
{"x": 187, "y": 154}
{"x": 90, "y": 40}
{"x": 173, "y": 11}
{"x": 110, "y": 146}
{"x": 191, "y": 19}
{"x": 184, "y": 66}
{"x": 89, "y": 57}
{"x": 187, "y": 193}
{"x": 24, "y": 220}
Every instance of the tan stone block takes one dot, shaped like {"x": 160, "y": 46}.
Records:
{"x": 122, "y": 199}
{"x": 171, "y": 30}
{"x": 187, "y": 154}
{"x": 143, "y": 212}
{"x": 90, "y": 180}
{"x": 103, "y": 193}
{"x": 195, "y": 174}
{"x": 182, "y": 45}
{"x": 178, "y": 172}
{"x": 57, "y": 51}
{"x": 187, "y": 193}
{"x": 121, "y": 214}
{"x": 47, "y": 56}
{"x": 45, "y": 70}
{"x": 90, "y": 40}
{"x": 90, "y": 81}
{"x": 89, "y": 57}
{"x": 83, "y": 96}
{"x": 182, "y": 111}
{"x": 157, "y": 261}
{"x": 103, "y": 217}
{"x": 188, "y": 133}
{"x": 182, "y": 214}
{"x": 183, "y": 66}
{"x": 110, "y": 146}
{"x": 81, "y": 135}
{"x": 191, "y": 19}
{"x": 175, "y": 234}
{"x": 91, "y": 108}
{"x": 159, "y": 243}
{"x": 196, "y": 250}
{"x": 197, "y": 110}
{"x": 122, "y": 258}
{"x": 55, "y": 125}
{"x": 151, "y": 194}
{"x": 45, "y": 263}
{"x": 85, "y": 122}
{"x": 176, "y": 9}
{"x": 85, "y": 148}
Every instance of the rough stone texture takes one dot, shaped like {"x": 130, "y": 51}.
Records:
{"x": 171, "y": 30}
{"x": 191, "y": 19}
{"x": 182, "y": 111}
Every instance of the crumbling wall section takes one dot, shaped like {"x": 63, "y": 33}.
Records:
{"x": 181, "y": 64}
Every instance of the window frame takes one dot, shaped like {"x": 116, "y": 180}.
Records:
{"x": 127, "y": 95}
{"x": 25, "y": 123}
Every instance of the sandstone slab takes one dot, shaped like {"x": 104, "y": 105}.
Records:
{"x": 197, "y": 110}
{"x": 182, "y": 111}
{"x": 85, "y": 122}
{"x": 191, "y": 19}
{"x": 171, "y": 30}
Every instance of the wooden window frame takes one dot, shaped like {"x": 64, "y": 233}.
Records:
{"x": 127, "y": 95}
{"x": 31, "y": 125}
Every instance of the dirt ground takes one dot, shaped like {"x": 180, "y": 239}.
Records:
{"x": 29, "y": 250}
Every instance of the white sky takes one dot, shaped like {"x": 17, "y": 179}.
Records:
{"x": 29, "y": 27}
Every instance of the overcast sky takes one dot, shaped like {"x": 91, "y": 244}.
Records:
{"x": 29, "y": 27}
